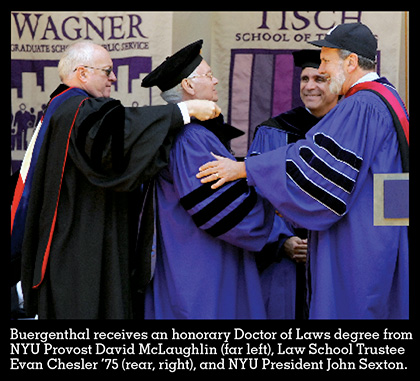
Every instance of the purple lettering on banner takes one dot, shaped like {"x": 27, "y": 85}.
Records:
{"x": 41, "y": 26}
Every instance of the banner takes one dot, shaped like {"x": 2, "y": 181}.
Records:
{"x": 252, "y": 58}
{"x": 136, "y": 41}
{"x": 249, "y": 52}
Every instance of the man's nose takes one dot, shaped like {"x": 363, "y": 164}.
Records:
{"x": 310, "y": 85}
{"x": 321, "y": 68}
{"x": 112, "y": 77}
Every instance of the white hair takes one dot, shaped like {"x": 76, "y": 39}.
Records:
{"x": 175, "y": 95}
{"x": 77, "y": 54}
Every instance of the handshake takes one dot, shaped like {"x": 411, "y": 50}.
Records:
{"x": 202, "y": 109}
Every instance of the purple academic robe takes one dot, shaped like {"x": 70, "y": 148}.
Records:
{"x": 202, "y": 271}
{"x": 283, "y": 281}
{"x": 325, "y": 184}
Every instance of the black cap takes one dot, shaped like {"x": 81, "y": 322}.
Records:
{"x": 307, "y": 58}
{"x": 355, "y": 37}
{"x": 175, "y": 68}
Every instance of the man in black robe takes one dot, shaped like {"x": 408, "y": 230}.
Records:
{"x": 73, "y": 211}
{"x": 284, "y": 283}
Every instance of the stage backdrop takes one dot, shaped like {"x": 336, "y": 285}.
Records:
{"x": 249, "y": 52}
{"x": 137, "y": 41}
{"x": 252, "y": 58}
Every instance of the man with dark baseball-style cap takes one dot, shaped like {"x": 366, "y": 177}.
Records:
{"x": 348, "y": 43}
{"x": 324, "y": 183}
{"x": 355, "y": 37}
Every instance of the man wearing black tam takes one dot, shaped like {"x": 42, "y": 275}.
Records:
{"x": 175, "y": 68}
{"x": 202, "y": 271}
{"x": 282, "y": 267}
{"x": 324, "y": 183}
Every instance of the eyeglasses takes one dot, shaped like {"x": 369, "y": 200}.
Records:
{"x": 106, "y": 71}
{"x": 208, "y": 75}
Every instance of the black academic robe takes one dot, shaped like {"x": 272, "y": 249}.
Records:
{"x": 295, "y": 123}
{"x": 111, "y": 151}
{"x": 292, "y": 125}
{"x": 275, "y": 132}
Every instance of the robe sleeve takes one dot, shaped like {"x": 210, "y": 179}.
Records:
{"x": 267, "y": 139}
{"x": 234, "y": 213}
{"x": 120, "y": 147}
{"x": 313, "y": 182}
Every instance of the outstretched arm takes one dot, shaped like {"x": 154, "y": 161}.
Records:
{"x": 223, "y": 170}
{"x": 202, "y": 109}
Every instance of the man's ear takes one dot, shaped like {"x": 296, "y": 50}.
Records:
{"x": 188, "y": 86}
{"x": 352, "y": 62}
{"x": 81, "y": 74}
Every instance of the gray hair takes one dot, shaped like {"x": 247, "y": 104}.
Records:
{"x": 77, "y": 54}
{"x": 364, "y": 63}
{"x": 175, "y": 95}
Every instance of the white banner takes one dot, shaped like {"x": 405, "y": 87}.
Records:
{"x": 250, "y": 54}
{"x": 252, "y": 58}
{"x": 136, "y": 41}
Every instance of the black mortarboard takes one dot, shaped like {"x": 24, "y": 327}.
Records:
{"x": 355, "y": 37}
{"x": 175, "y": 68}
{"x": 307, "y": 58}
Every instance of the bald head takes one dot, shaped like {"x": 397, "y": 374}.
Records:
{"x": 80, "y": 53}
{"x": 85, "y": 65}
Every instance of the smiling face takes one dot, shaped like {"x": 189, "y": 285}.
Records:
{"x": 315, "y": 92}
{"x": 332, "y": 66}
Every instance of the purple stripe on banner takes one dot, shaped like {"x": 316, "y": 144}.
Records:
{"x": 239, "y": 102}
{"x": 261, "y": 93}
{"x": 283, "y": 83}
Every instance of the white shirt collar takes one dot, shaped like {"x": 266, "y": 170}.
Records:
{"x": 366, "y": 78}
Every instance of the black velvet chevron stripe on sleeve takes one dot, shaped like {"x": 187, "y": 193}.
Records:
{"x": 324, "y": 197}
{"x": 340, "y": 153}
{"x": 325, "y": 170}
{"x": 230, "y": 207}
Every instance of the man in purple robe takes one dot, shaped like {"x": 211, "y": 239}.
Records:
{"x": 202, "y": 271}
{"x": 283, "y": 276}
{"x": 325, "y": 183}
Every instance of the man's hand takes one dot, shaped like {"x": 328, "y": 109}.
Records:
{"x": 296, "y": 249}
{"x": 223, "y": 170}
{"x": 203, "y": 109}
